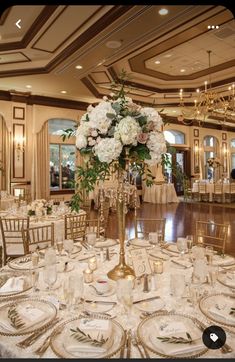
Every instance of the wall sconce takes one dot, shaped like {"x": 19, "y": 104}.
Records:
{"x": 19, "y": 146}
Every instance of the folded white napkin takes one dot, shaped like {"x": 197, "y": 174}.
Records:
{"x": 95, "y": 328}
{"x": 226, "y": 260}
{"x": 223, "y": 313}
{"x": 183, "y": 262}
{"x": 29, "y": 314}
{"x": 176, "y": 329}
{"x": 14, "y": 284}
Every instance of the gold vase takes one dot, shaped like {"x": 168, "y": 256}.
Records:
{"x": 121, "y": 270}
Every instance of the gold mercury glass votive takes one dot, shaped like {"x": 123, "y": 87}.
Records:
{"x": 158, "y": 267}
{"x": 88, "y": 276}
{"x": 92, "y": 263}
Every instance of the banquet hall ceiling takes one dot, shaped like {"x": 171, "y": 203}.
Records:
{"x": 39, "y": 57}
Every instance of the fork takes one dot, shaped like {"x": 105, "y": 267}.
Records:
{"x": 46, "y": 343}
{"x": 135, "y": 343}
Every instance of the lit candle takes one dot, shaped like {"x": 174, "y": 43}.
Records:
{"x": 158, "y": 267}
{"x": 205, "y": 86}
{"x": 88, "y": 275}
{"x": 92, "y": 263}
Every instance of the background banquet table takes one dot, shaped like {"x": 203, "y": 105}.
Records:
{"x": 210, "y": 189}
{"x": 161, "y": 288}
{"x": 160, "y": 194}
{"x": 6, "y": 203}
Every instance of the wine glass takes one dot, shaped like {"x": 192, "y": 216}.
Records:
{"x": 125, "y": 296}
{"x": 153, "y": 239}
{"x": 79, "y": 289}
{"x": 68, "y": 246}
{"x": 60, "y": 247}
{"x": 209, "y": 252}
{"x": 189, "y": 239}
{"x": 35, "y": 278}
{"x": 181, "y": 246}
{"x": 69, "y": 286}
{"x": 50, "y": 275}
{"x": 177, "y": 285}
{"x": 91, "y": 240}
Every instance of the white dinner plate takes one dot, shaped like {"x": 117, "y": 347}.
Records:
{"x": 150, "y": 305}
{"x": 98, "y": 307}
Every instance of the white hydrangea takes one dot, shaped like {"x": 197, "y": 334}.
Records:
{"x": 98, "y": 117}
{"x": 157, "y": 145}
{"x": 81, "y": 134}
{"x": 81, "y": 141}
{"x": 108, "y": 149}
{"x": 128, "y": 129}
{"x": 152, "y": 116}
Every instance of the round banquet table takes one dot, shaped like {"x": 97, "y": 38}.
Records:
{"x": 6, "y": 203}
{"x": 160, "y": 194}
{"x": 161, "y": 288}
{"x": 210, "y": 189}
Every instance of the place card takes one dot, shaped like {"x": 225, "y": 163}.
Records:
{"x": 94, "y": 324}
{"x": 140, "y": 262}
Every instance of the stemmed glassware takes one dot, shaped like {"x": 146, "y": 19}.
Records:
{"x": 68, "y": 246}
{"x": 181, "y": 246}
{"x": 60, "y": 247}
{"x": 73, "y": 289}
{"x": 189, "y": 239}
{"x": 153, "y": 239}
{"x": 50, "y": 275}
{"x": 125, "y": 297}
{"x": 209, "y": 252}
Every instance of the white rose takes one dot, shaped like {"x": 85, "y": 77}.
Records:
{"x": 81, "y": 141}
{"x": 108, "y": 149}
{"x": 98, "y": 117}
{"x": 128, "y": 130}
{"x": 94, "y": 133}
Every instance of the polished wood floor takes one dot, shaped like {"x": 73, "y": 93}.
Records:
{"x": 180, "y": 219}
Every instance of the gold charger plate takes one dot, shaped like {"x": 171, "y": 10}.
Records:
{"x": 223, "y": 278}
{"x": 24, "y": 263}
{"x": 6, "y": 275}
{"x": 6, "y": 329}
{"x": 216, "y": 307}
{"x": 61, "y": 334}
{"x": 146, "y": 332}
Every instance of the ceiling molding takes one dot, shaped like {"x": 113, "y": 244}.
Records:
{"x": 4, "y": 16}
{"x": 33, "y": 30}
{"x": 26, "y": 97}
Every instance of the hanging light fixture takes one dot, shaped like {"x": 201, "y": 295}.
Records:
{"x": 209, "y": 104}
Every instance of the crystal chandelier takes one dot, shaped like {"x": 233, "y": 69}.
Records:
{"x": 209, "y": 104}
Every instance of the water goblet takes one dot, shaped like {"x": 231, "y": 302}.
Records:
{"x": 177, "y": 285}
{"x": 68, "y": 246}
{"x": 50, "y": 275}
{"x": 181, "y": 246}
{"x": 209, "y": 252}
{"x": 60, "y": 247}
{"x": 69, "y": 286}
{"x": 153, "y": 239}
{"x": 91, "y": 240}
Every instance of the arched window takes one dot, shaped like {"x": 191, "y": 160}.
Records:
{"x": 211, "y": 150}
{"x": 62, "y": 155}
{"x": 174, "y": 137}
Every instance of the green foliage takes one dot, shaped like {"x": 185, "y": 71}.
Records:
{"x": 67, "y": 133}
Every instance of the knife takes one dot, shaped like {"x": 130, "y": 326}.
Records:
{"x": 99, "y": 302}
{"x": 183, "y": 266}
{"x": 146, "y": 300}
{"x": 128, "y": 344}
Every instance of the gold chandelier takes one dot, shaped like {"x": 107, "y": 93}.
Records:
{"x": 209, "y": 104}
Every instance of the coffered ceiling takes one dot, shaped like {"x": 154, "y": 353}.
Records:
{"x": 162, "y": 53}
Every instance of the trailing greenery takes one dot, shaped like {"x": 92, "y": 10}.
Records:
{"x": 14, "y": 317}
{"x": 80, "y": 336}
{"x": 177, "y": 340}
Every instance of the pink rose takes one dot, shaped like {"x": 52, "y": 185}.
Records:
{"x": 142, "y": 137}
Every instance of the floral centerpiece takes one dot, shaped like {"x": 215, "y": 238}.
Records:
{"x": 117, "y": 135}
{"x": 213, "y": 162}
{"x": 39, "y": 206}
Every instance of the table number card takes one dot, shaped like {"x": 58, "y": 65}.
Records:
{"x": 140, "y": 262}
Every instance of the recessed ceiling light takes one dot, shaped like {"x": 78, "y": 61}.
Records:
{"x": 168, "y": 55}
{"x": 163, "y": 11}
{"x": 28, "y": 86}
{"x": 113, "y": 44}
{"x": 63, "y": 92}
{"x": 78, "y": 66}
{"x": 157, "y": 62}
{"x": 182, "y": 70}
{"x": 174, "y": 111}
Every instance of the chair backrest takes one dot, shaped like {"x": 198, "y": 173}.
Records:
{"x": 38, "y": 236}
{"x": 196, "y": 187}
{"x": 232, "y": 188}
{"x": 210, "y": 233}
{"x": 12, "y": 236}
{"x": 93, "y": 225}
{"x": 144, "y": 226}
{"x": 202, "y": 187}
{"x": 218, "y": 188}
{"x": 75, "y": 226}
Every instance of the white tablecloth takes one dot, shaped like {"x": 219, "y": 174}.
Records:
{"x": 8, "y": 346}
{"x": 160, "y": 194}
{"x": 210, "y": 189}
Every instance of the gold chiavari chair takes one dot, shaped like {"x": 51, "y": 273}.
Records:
{"x": 195, "y": 192}
{"x": 217, "y": 195}
{"x": 13, "y": 245}
{"x": 93, "y": 225}
{"x": 75, "y": 227}
{"x": 230, "y": 195}
{"x": 57, "y": 200}
{"x": 203, "y": 193}
{"x": 213, "y": 234}
{"x": 144, "y": 226}
{"x": 38, "y": 236}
